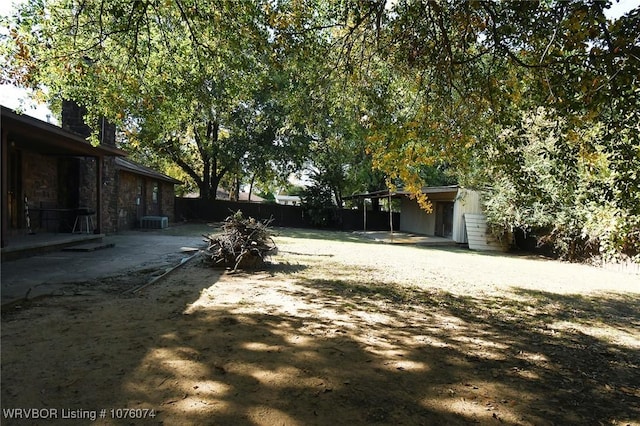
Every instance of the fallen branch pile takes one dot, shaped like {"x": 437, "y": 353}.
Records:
{"x": 243, "y": 244}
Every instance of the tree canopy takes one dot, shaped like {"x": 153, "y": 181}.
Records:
{"x": 463, "y": 83}
{"x": 536, "y": 103}
{"x": 199, "y": 83}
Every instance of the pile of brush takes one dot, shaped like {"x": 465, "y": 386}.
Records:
{"x": 244, "y": 243}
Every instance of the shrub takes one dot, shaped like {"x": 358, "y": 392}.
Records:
{"x": 319, "y": 207}
{"x": 560, "y": 183}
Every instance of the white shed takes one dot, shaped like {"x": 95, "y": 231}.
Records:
{"x": 471, "y": 223}
{"x": 456, "y": 214}
{"x": 447, "y": 219}
{"x": 467, "y": 202}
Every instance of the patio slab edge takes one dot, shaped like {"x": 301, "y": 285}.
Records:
{"x": 41, "y": 247}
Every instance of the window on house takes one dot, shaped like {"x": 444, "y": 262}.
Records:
{"x": 154, "y": 194}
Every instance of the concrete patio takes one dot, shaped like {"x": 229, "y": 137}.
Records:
{"x": 406, "y": 238}
{"x": 47, "y": 273}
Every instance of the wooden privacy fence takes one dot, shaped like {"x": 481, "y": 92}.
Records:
{"x": 287, "y": 216}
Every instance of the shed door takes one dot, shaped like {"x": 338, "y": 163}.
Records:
{"x": 444, "y": 219}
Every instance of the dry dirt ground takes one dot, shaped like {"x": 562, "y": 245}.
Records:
{"x": 335, "y": 331}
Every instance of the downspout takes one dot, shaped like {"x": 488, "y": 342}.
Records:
{"x": 99, "y": 167}
{"x": 99, "y": 183}
{"x": 5, "y": 185}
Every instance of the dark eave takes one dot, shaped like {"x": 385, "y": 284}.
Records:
{"x": 30, "y": 133}
{"x": 135, "y": 168}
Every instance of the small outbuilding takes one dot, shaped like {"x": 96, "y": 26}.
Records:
{"x": 456, "y": 215}
{"x": 288, "y": 200}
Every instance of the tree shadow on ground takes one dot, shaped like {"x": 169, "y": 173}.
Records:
{"x": 342, "y": 352}
{"x": 67, "y": 352}
{"x": 549, "y": 357}
{"x": 354, "y": 353}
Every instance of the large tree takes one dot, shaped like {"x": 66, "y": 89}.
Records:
{"x": 463, "y": 76}
{"x": 437, "y": 83}
{"x": 177, "y": 76}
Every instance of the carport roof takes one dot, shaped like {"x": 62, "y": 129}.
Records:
{"x": 385, "y": 193}
{"x": 49, "y": 139}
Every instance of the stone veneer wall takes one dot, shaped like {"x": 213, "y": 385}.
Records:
{"x": 73, "y": 120}
{"x": 87, "y": 183}
{"x": 150, "y": 208}
{"x": 110, "y": 187}
{"x": 40, "y": 186}
{"x": 127, "y": 194}
{"x": 168, "y": 200}
{"x": 39, "y": 180}
{"x": 119, "y": 189}
{"x": 87, "y": 190}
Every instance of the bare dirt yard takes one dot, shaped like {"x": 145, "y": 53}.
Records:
{"x": 337, "y": 330}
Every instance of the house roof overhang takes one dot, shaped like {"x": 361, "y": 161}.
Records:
{"x": 36, "y": 135}
{"x": 139, "y": 169}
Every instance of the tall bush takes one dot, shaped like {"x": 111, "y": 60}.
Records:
{"x": 318, "y": 204}
{"x": 557, "y": 181}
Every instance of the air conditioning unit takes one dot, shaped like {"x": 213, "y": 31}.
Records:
{"x": 154, "y": 222}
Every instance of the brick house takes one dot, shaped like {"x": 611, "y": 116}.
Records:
{"x": 50, "y": 175}
{"x": 142, "y": 192}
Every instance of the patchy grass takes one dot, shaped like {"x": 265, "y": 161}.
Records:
{"x": 343, "y": 331}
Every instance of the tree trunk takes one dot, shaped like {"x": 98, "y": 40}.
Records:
{"x": 338, "y": 196}
{"x": 205, "y": 190}
{"x": 214, "y": 187}
{"x": 215, "y": 181}
{"x": 235, "y": 194}
{"x": 253, "y": 178}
